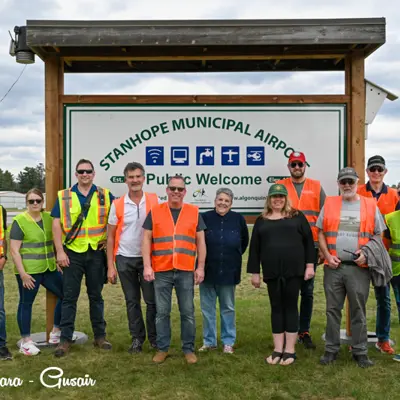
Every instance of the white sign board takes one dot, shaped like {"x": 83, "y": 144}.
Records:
{"x": 242, "y": 147}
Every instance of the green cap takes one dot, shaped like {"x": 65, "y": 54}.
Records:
{"x": 276, "y": 188}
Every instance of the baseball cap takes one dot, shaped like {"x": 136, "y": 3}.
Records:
{"x": 376, "y": 161}
{"x": 347, "y": 172}
{"x": 276, "y": 188}
{"x": 297, "y": 156}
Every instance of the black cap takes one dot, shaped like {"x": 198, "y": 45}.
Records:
{"x": 376, "y": 161}
{"x": 347, "y": 172}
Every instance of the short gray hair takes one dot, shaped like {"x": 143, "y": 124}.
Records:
{"x": 226, "y": 191}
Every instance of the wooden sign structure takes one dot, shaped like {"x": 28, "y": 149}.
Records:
{"x": 202, "y": 46}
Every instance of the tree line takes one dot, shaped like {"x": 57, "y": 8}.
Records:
{"x": 28, "y": 178}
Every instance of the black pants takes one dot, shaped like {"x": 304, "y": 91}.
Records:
{"x": 91, "y": 265}
{"x": 130, "y": 272}
{"x": 283, "y": 296}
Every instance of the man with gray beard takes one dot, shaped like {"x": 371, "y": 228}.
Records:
{"x": 346, "y": 223}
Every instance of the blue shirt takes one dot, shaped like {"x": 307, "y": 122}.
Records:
{"x": 227, "y": 238}
{"x": 55, "y": 212}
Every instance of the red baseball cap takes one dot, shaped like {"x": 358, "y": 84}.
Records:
{"x": 297, "y": 156}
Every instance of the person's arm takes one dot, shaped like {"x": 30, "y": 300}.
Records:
{"x": 253, "y": 262}
{"x": 244, "y": 234}
{"x": 308, "y": 241}
{"x": 62, "y": 258}
{"x": 332, "y": 261}
{"x": 3, "y": 260}
{"x": 322, "y": 197}
{"x": 201, "y": 257}
{"x": 148, "y": 272}
{"x": 111, "y": 271}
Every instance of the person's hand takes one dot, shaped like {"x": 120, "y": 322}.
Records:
{"x": 333, "y": 261}
{"x": 309, "y": 272}
{"x": 28, "y": 282}
{"x": 361, "y": 260}
{"x": 256, "y": 280}
{"x": 321, "y": 257}
{"x": 2, "y": 262}
{"x": 62, "y": 259}
{"x": 148, "y": 274}
{"x": 112, "y": 275}
{"x": 102, "y": 245}
{"x": 198, "y": 276}
{"x": 59, "y": 269}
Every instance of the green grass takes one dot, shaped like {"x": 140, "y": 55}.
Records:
{"x": 243, "y": 375}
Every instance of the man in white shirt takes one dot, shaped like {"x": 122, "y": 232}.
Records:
{"x": 124, "y": 241}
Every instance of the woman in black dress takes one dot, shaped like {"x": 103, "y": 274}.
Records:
{"x": 282, "y": 243}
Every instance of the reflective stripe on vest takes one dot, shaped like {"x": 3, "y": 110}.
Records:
{"x": 94, "y": 226}
{"x": 37, "y": 250}
{"x": 151, "y": 201}
{"x": 308, "y": 203}
{"x": 174, "y": 245}
{"x": 1, "y": 231}
{"x": 393, "y": 224}
{"x": 331, "y": 221}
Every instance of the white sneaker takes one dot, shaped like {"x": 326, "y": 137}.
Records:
{"x": 29, "y": 349}
{"x": 228, "y": 349}
{"x": 55, "y": 337}
{"x": 205, "y": 348}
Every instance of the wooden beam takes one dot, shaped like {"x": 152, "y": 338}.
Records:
{"x": 54, "y": 87}
{"x": 244, "y": 57}
{"x": 357, "y": 144}
{"x": 204, "y": 99}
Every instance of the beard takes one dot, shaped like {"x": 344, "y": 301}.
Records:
{"x": 297, "y": 174}
{"x": 348, "y": 194}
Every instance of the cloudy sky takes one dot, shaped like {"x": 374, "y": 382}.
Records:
{"x": 22, "y": 111}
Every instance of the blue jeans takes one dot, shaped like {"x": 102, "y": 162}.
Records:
{"x": 52, "y": 281}
{"x": 183, "y": 281}
{"x": 383, "y": 306}
{"x": 396, "y": 289}
{"x": 208, "y": 302}
{"x": 3, "y": 335}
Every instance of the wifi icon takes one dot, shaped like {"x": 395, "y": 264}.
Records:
{"x": 154, "y": 155}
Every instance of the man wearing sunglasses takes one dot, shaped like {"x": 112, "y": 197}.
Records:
{"x": 308, "y": 196}
{"x": 387, "y": 202}
{"x": 79, "y": 231}
{"x": 173, "y": 236}
{"x": 346, "y": 223}
{"x": 124, "y": 242}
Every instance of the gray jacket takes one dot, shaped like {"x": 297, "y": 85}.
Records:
{"x": 378, "y": 260}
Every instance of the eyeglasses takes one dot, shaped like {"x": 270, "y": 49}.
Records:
{"x": 35, "y": 201}
{"x": 176, "y": 189}
{"x": 376, "y": 168}
{"x": 82, "y": 171}
{"x": 347, "y": 182}
{"x": 297, "y": 164}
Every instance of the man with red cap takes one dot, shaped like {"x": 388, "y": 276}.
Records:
{"x": 308, "y": 196}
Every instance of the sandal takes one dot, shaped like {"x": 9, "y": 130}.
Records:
{"x": 274, "y": 355}
{"x": 288, "y": 356}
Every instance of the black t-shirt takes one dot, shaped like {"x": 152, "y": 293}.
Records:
{"x": 4, "y": 212}
{"x": 16, "y": 232}
{"x": 148, "y": 222}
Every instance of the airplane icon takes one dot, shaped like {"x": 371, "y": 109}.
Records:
{"x": 228, "y": 154}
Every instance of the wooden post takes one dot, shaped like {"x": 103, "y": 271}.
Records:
{"x": 355, "y": 88}
{"x": 54, "y": 87}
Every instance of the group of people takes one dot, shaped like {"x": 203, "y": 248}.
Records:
{"x": 154, "y": 247}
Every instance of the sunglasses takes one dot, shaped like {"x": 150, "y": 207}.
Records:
{"x": 176, "y": 189}
{"x": 82, "y": 171}
{"x": 35, "y": 201}
{"x": 297, "y": 164}
{"x": 377, "y": 168}
{"x": 347, "y": 182}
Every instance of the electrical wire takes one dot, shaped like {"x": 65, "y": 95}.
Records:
{"x": 9, "y": 90}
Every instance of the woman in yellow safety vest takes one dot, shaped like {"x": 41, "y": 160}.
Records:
{"x": 31, "y": 245}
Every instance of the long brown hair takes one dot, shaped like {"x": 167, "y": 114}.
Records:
{"x": 288, "y": 211}
{"x": 38, "y": 193}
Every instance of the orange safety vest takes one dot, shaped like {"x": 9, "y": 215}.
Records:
{"x": 174, "y": 246}
{"x": 331, "y": 222}
{"x": 387, "y": 204}
{"x": 308, "y": 203}
{"x": 151, "y": 200}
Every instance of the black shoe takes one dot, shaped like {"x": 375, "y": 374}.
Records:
{"x": 136, "y": 347}
{"x": 328, "y": 358}
{"x": 362, "y": 360}
{"x": 305, "y": 338}
{"x": 5, "y": 354}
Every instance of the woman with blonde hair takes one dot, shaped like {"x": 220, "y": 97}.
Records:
{"x": 282, "y": 243}
{"x": 31, "y": 245}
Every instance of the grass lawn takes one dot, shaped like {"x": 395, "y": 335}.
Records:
{"x": 243, "y": 375}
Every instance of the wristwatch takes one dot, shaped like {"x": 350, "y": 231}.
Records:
{"x": 3, "y": 256}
